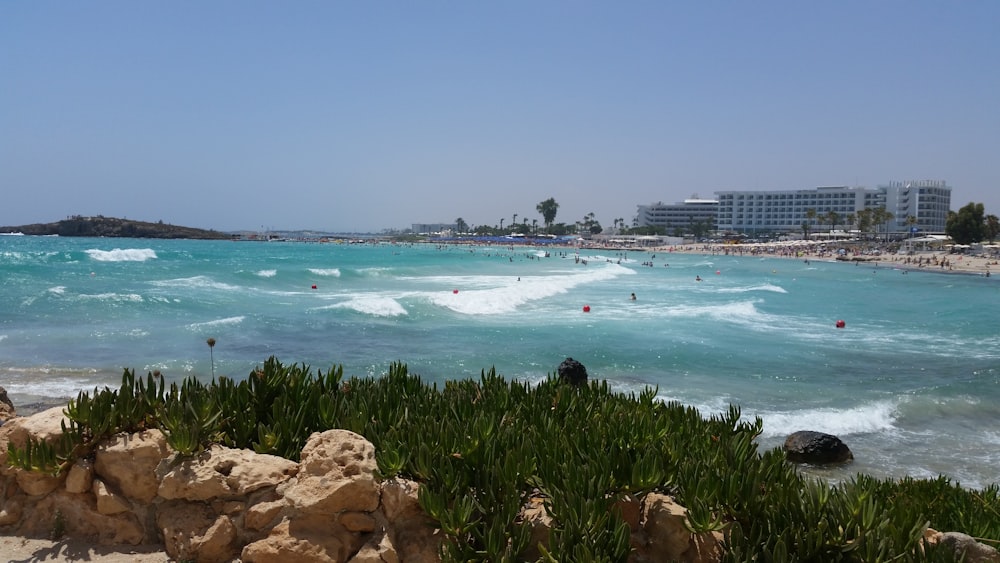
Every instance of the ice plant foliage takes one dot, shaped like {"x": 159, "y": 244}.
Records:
{"x": 483, "y": 449}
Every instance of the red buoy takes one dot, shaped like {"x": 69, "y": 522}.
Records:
{"x": 454, "y": 291}
{"x": 586, "y": 308}
{"x": 841, "y": 324}
{"x": 314, "y": 286}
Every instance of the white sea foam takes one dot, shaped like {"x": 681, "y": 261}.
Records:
{"x": 196, "y": 282}
{"x": 113, "y": 297}
{"x": 333, "y": 272}
{"x": 31, "y": 384}
{"x": 762, "y": 287}
{"x": 504, "y": 294}
{"x": 218, "y": 322}
{"x": 267, "y": 273}
{"x": 122, "y": 255}
{"x": 879, "y": 416}
{"x": 741, "y": 312}
{"x": 58, "y": 290}
{"x": 372, "y": 305}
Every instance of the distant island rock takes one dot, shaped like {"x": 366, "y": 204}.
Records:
{"x": 78, "y": 226}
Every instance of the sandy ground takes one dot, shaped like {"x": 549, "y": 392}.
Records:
{"x": 930, "y": 261}
{"x": 22, "y": 550}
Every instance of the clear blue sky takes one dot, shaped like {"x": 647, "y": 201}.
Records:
{"x": 360, "y": 116}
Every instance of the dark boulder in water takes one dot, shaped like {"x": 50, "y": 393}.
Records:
{"x": 817, "y": 448}
{"x": 573, "y": 372}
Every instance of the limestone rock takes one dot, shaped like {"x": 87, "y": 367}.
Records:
{"x": 11, "y": 511}
{"x": 357, "y": 522}
{"x": 667, "y": 539}
{"x": 108, "y": 502}
{"x": 965, "y": 545}
{"x": 664, "y": 526}
{"x": 806, "y": 446}
{"x": 221, "y": 472}
{"x": 336, "y": 474}
{"x": 192, "y": 531}
{"x": 413, "y": 534}
{"x": 309, "y": 538}
{"x": 35, "y": 483}
{"x": 259, "y": 516}
{"x": 538, "y": 520}
{"x": 128, "y": 462}
{"x": 80, "y": 477}
{"x": 7, "y": 410}
{"x": 45, "y": 425}
{"x": 76, "y": 516}
{"x": 378, "y": 550}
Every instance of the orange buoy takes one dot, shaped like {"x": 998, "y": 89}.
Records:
{"x": 454, "y": 291}
{"x": 586, "y": 308}
{"x": 841, "y": 324}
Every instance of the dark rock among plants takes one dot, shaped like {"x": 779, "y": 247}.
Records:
{"x": 816, "y": 448}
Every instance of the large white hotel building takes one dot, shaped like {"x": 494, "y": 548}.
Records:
{"x": 773, "y": 211}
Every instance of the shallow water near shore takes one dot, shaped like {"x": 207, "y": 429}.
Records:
{"x": 911, "y": 384}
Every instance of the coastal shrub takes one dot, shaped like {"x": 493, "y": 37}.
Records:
{"x": 482, "y": 449}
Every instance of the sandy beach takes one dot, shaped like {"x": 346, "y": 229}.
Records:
{"x": 930, "y": 261}
{"x": 24, "y": 550}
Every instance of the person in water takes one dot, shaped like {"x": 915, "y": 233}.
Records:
{"x": 697, "y": 278}
{"x": 633, "y": 297}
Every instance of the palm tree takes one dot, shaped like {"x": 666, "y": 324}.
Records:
{"x": 461, "y": 226}
{"x": 548, "y": 209}
{"x": 881, "y": 216}
{"x": 811, "y": 216}
{"x": 514, "y": 220}
{"x": 865, "y": 217}
{"x": 832, "y": 217}
{"x": 992, "y": 227}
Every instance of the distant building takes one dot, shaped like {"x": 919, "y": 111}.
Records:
{"x": 929, "y": 201}
{"x": 428, "y": 228}
{"x": 776, "y": 211}
{"x": 682, "y": 217}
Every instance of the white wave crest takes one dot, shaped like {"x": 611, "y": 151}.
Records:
{"x": 122, "y": 255}
{"x": 879, "y": 416}
{"x": 764, "y": 287}
{"x": 196, "y": 282}
{"x": 218, "y": 322}
{"x": 505, "y": 294}
{"x": 267, "y": 273}
{"x": 114, "y": 297}
{"x": 372, "y": 305}
{"x": 333, "y": 272}
{"x": 58, "y": 290}
{"x": 744, "y": 312}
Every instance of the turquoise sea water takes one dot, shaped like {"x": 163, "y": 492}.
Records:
{"x": 912, "y": 384}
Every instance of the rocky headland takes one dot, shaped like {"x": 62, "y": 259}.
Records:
{"x": 99, "y": 226}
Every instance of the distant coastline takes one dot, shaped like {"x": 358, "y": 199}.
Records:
{"x": 99, "y": 226}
